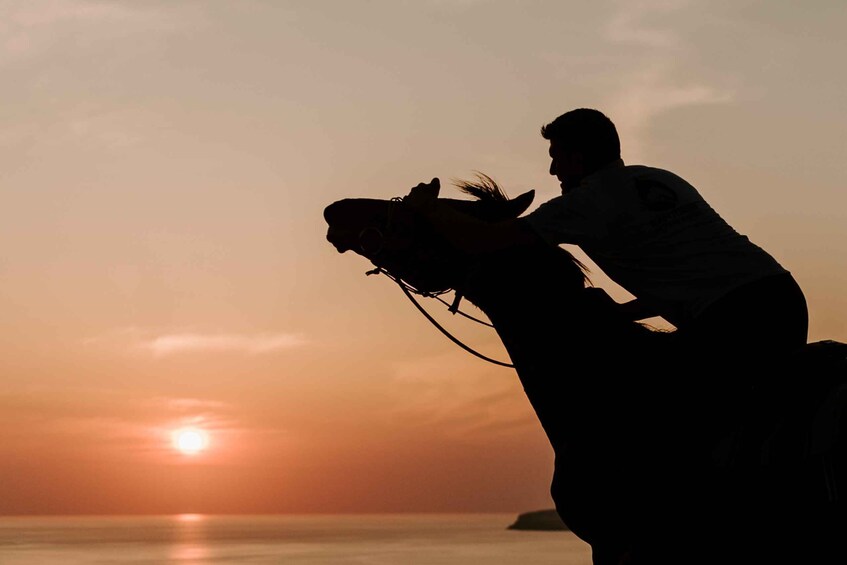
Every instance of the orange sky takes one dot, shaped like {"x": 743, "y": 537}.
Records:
{"x": 164, "y": 166}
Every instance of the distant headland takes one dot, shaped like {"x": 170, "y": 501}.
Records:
{"x": 538, "y": 520}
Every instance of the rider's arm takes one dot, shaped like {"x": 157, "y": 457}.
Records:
{"x": 638, "y": 310}
{"x": 467, "y": 233}
{"x": 633, "y": 310}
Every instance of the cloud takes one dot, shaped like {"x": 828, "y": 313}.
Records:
{"x": 190, "y": 404}
{"x": 40, "y": 13}
{"x": 165, "y": 344}
{"x": 648, "y": 92}
{"x": 627, "y": 24}
{"x": 171, "y": 344}
{"x": 27, "y": 28}
{"x": 451, "y": 5}
{"x": 650, "y": 87}
{"x": 460, "y": 396}
{"x": 109, "y": 130}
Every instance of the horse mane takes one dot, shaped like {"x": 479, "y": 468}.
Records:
{"x": 486, "y": 189}
{"x": 483, "y": 188}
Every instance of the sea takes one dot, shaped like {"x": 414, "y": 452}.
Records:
{"x": 200, "y": 539}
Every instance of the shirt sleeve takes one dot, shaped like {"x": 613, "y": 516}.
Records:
{"x": 571, "y": 218}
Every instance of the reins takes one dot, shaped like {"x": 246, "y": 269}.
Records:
{"x": 408, "y": 290}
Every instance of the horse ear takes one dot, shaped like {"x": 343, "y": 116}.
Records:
{"x": 519, "y": 204}
{"x": 511, "y": 208}
{"x": 494, "y": 210}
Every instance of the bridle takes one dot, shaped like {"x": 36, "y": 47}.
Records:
{"x": 409, "y": 290}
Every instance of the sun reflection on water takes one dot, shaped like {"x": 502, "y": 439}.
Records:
{"x": 190, "y": 543}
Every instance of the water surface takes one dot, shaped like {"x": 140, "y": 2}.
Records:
{"x": 284, "y": 539}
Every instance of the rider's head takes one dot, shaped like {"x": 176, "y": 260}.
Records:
{"x": 581, "y": 142}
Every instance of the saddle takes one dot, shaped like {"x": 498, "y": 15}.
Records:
{"x": 795, "y": 420}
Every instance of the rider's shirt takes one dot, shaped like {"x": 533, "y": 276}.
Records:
{"x": 653, "y": 234}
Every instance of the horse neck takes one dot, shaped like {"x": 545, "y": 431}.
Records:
{"x": 536, "y": 306}
{"x": 566, "y": 348}
{"x": 536, "y": 331}
{"x": 551, "y": 356}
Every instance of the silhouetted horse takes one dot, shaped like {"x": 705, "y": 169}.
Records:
{"x": 649, "y": 466}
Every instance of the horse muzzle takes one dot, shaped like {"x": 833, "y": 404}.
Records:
{"x": 342, "y": 240}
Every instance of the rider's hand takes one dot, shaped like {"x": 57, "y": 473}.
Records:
{"x": 424, "y": 195}
{"x": 602, "y": 299}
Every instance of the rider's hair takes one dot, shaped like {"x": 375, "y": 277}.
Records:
{"x": 587, "y": 131}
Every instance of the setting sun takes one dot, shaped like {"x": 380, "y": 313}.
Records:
{"x": 190, "y": 440}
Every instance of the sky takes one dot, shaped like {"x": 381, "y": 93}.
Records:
{"x": 164, "y": 166}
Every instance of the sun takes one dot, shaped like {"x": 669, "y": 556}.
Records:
{"x": 190, "y": 441}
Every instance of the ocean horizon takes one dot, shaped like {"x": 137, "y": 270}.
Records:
{"x": 297, "y": 539}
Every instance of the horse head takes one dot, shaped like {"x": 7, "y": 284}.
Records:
{"x": 394, "y": 238}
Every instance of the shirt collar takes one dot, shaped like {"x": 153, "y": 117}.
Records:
{"x": 603, "y": 171}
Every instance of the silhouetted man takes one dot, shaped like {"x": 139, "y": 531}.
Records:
{"x": 653, "y": 234}
{"x": 734, "y": 306}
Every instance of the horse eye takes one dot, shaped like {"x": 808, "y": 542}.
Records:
{"x": 371, "y": 240}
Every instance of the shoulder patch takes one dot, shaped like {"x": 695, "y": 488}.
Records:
{"x": 655, "y": 196}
